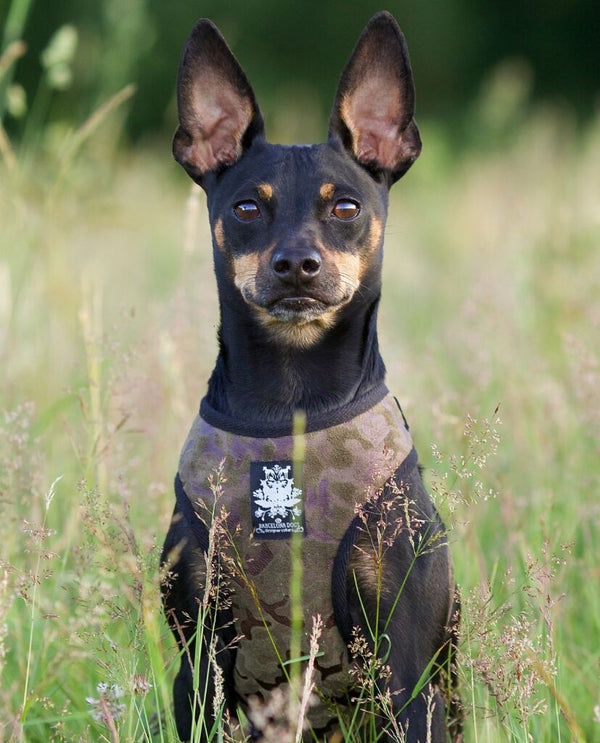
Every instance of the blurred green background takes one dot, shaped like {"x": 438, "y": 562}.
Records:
{"x": 289, "y": 48}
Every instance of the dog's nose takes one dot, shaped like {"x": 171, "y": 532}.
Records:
{"x": 296, "y": 264}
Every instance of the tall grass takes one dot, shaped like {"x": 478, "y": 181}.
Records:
{"x": 490, "y": 327}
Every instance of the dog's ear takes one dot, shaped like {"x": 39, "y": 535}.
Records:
{"x": 218, "y": 114}
{"x": 374, "y": 107}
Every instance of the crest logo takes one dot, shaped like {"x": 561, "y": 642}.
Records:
{"x": 276, "y": 503}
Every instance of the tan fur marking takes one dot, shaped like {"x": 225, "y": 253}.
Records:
{"x": 244, "y": 273}
{"x": 265, "y": 191}
{"x": 349, "y": 266}
{"x": 375, "y": 234}
{"x": 327, "y": 190}
{"x": 298, "y": 335}
{"x": 373, "y": 243}
{"x": 370, "y": 570}
{"x": 219, "y": 235}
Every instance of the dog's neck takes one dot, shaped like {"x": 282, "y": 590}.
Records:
{"x": 258, "y": 381}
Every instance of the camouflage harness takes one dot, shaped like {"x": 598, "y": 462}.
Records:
{"x": 345, "y": 465}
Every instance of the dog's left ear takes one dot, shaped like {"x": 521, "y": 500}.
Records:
{"x": 374, "y": 107}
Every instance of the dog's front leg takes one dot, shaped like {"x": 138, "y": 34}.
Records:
{"x": 190, "y": 707}
{"x": 400, "y": 596}
{"x": 421, "y": 719}
{"x": 404, "y": 669}
{"x": 196, "y": 695}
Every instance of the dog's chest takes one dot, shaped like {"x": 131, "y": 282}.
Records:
{"x": 260, "y": 503}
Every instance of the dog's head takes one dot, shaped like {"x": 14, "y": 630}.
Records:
{"x": 297, "y": 230}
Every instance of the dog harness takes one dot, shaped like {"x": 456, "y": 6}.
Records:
{"x": 345, "y": 467}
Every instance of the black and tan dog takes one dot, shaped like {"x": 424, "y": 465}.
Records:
{"x": 297, "y": 234}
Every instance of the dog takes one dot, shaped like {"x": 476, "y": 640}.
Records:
{"x": 297, "y": 241}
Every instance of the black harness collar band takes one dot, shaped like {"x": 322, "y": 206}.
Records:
{"x": 314, "y": 422}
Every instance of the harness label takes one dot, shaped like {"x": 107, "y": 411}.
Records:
{"x": 276, "y": 505}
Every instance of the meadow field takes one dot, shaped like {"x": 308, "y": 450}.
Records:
{"x": 490, "y": 327}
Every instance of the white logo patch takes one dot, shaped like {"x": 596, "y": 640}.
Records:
{"x": 276, "y": 503}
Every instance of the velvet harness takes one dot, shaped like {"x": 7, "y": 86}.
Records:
{"x": 346, "y": 466}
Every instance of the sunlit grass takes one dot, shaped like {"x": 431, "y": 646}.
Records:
{"x": 490, "y": 323}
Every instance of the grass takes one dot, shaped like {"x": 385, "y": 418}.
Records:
{"x": 490, "y": 326}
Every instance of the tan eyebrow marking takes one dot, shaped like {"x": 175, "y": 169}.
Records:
{"x": 327, "y": 190}
{"x": 265, "y": 191}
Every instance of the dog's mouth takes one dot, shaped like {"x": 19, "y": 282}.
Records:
{"x": 297, "y": 309}
{"x": 297, "y": 321}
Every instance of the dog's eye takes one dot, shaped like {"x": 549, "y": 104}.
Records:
{"x": 246, "y": 211}
{"x": 346, "y": 209}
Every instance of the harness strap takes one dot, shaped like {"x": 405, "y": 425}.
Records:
{"x": 186, "y": 507}
{"x": 339, "y": 587}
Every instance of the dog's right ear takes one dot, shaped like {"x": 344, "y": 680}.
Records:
{"x": 218, "y": 114}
